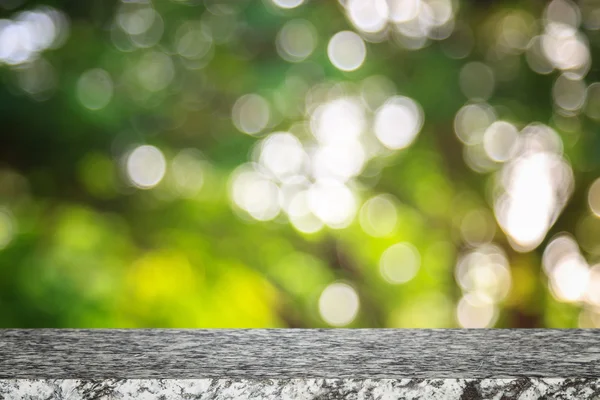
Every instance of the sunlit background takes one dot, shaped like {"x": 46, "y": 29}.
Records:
{"x": 299, "y": 163}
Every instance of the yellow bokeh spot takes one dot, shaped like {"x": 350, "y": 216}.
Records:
{"x": 79, "y": 229}
{"x": 162, "y": 276}
{"x": 243, "y": 299}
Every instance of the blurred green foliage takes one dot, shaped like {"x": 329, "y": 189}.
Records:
{"x": 83, "y": 245}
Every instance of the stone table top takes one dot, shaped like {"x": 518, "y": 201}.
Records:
{"x": 299, "y": 364}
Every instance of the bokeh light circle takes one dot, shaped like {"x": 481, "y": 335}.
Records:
{"x": 347, "y": 51}
{"x": 146, "y": 166}
{"x": 296, "y": 40}
{"x": 398, "y": 122}
{"x": 95, "y": 89}
{"x": 400, "y": 263}
{"x": 339, "y": 304}
{"x": 594, "y": 197}
{"x": 251, "y": 114}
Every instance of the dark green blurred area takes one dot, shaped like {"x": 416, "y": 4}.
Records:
{"x": 130, "y": 195}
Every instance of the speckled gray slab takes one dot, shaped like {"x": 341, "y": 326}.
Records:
{"x": 292, "y": 354}
{"x": 299, "y": 389}
{"x": 299, "y": 364}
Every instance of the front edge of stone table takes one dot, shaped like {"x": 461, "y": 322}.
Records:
{"x": 299, "y": 364}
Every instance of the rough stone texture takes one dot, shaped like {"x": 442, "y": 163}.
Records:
{"x": 299, "y": 389}
{"x": 299, "y": 364}
{"x": 291, "y": 354}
